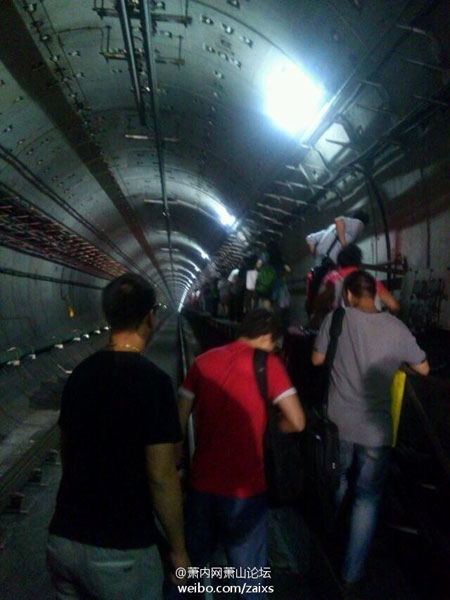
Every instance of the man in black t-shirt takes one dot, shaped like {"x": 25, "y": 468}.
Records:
{"x": 119, "y": 425}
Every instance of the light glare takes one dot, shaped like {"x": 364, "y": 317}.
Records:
{"x": 224, "y": 216}
{"x": 292, "y": 98}
{"x": 183, "y": 297}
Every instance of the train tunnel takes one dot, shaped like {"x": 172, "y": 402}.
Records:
{"x": 175, "y": 139}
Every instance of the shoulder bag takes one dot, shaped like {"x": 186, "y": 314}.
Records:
{"x": 283, "y": 465}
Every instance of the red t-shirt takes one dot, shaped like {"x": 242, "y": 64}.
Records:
{"x": 230, "y": 419}
{"x": 334, "y": 281}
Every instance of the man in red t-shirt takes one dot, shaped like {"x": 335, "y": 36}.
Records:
{"x": 227, "y": 500}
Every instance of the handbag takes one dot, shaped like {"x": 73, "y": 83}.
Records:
{"x": 283, "y": 466}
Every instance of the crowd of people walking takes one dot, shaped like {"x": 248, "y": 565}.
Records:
{"x": 122, "y": 430}
{"x": 259, "y": 281}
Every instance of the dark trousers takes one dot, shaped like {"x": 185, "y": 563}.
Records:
{"x": 236, "y": 307}
{"x": 239, "y": 524}
{"x": 250, "y": 301}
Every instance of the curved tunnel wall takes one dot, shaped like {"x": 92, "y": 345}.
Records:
{"x": 36, "y": 313}
{"x": 68, "y": 110}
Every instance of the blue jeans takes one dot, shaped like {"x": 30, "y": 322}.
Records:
{"x": 84, "y": 572}
{"x": 363, "y": 470}
{"x": 239, "y": 524}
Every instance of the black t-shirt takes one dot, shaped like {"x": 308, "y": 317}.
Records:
{"x": 114, "y": 404}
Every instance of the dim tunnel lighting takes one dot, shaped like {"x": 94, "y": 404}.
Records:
{"x": 13, "y": 363}
{"x": 183, "y": 297}
{"x": 293, "y": 100}
{"x": 135, "y": 136}
{"x": 184, "y": 260}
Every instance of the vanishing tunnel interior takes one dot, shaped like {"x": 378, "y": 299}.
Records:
{"x": 174, "y": 138}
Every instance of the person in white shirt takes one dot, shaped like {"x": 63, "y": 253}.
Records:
{"x": 329, "y": 242}
{"x": 250, "y": 299}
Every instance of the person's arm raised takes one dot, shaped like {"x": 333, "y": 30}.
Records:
{"x": 340, "y": 230}
{"x": 388, "y": 300}
{"x": 312, "y": 249}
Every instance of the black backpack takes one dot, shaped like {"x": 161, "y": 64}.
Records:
{"x": 283, "y": 464}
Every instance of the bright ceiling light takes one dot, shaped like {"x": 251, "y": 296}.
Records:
{"x": 224, "y": 216}
{"x": 292, "y": 99}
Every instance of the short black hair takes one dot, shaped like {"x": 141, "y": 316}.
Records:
{"x": 350, "y": 256}
{"x": 260, "y": 322}
{"x": 361, "y": 283}
{"x": 361, "y": 215}
{"x": 127, "y": 300}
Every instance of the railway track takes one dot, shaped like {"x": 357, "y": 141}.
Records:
{"x": 21, "y": 471}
